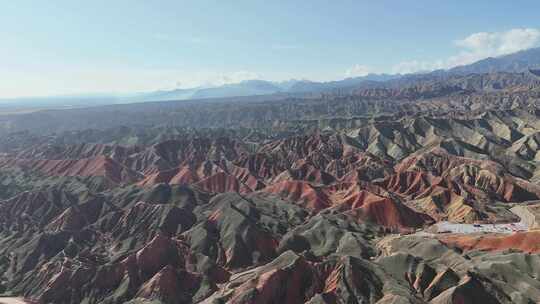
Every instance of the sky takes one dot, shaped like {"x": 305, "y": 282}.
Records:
{"x": 67, "y": 47}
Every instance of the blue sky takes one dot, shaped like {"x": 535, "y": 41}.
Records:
{"x": 70, "y": 47}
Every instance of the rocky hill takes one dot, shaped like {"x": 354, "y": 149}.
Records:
{"x": 327, "y": 198}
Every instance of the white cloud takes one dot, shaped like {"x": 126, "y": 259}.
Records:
{"x": 500, "y": 43}
{"x": 414, "y": 66}
{"x": 358, "y": 70}
{"x": 477, "y": 46}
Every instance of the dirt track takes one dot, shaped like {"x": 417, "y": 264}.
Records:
{"x": 12, "y": 301}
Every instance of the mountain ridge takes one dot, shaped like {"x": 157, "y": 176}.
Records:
{"x": 518, "y": 62}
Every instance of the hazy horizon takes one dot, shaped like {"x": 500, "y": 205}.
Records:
{"x": 69, "y": 48}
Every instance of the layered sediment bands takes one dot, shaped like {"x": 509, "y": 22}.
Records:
{"x": 170, "y": 286}
{"x": 264, "y": 284}
{"x": 209, "y": 222}
{"x": 232, "y": 235}
{"x": 352, "y": 199}
{"x": 101, "y": 166}
{"x": 293, "y": 221}
{"x": 327, "y": 199}
{"x": 523, "y": 241}
{"x": 470, "y": 290}
{"x": 222, "y": 182}
{"x": 306, "y": 172}
{"x": 301, "y": 192}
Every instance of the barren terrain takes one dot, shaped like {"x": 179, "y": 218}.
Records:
{"x": 398, "y": 192}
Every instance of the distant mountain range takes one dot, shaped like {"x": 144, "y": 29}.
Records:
{"x": 259, "y": 87}
{"x": 516, "y": 62}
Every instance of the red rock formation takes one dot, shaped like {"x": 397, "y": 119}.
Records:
{"x": 351, "y": 198}
{"x": 409, "y": 183}
{"x": 523, "y": 241}
{"x": 158, "y": 253}
{"x": 209, "y": 175}
{"x": 78, "y": 216}
{"x": 304, "y": 172}
{"x": 390, "y": 214}
{"x": 244, "y": 176}
{"x": 261, "y": 165}
{"x": 97, "y": 166}
{"x": 288, "y": 279}
{"x": 222, "y": 182}
{"x": 359, "y": 166}
{"x": 180, "y": 175}
{"x": 302, "y": 193}
{"x": 170, "y": 286}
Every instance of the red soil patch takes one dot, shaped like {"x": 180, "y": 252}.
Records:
{"x": 301, "y": 192}
{"x": 523, "y": 241}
